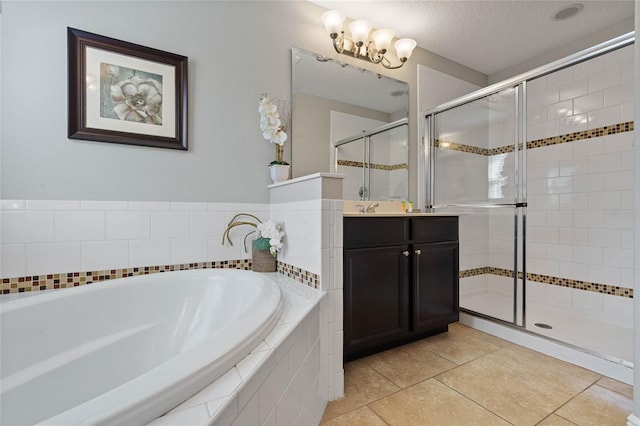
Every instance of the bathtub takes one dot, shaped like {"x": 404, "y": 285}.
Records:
{"x": 128, "y": 350}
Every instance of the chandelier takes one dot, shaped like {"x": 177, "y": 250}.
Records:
{"x": 360, "y": 46}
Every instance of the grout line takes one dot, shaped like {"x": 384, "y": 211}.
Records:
{"x": 474, "y": 401}
{"x": 574, "y": 397}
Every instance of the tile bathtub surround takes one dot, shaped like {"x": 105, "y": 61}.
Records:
{"x": 476, "y": 379}
{"x": 277, "y": 383}
{"x": 43, "y": 237}
{"x": 305, "y": 277}
{"x": 49, "y": 244}
{"x": 75, "y": 279}
{"x": 311, "y": 209}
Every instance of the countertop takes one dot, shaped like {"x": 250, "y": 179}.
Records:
{"x": 399, "y": 214}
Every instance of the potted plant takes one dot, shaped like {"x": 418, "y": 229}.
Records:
{"x": 265, "y": 246}
{"x": 274, "y": 128}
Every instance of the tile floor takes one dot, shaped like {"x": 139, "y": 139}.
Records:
{"x": 467, "y": 377}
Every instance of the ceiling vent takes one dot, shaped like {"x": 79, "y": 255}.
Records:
{"x": 567, "y": 12}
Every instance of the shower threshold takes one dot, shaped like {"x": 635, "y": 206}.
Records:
{"x": 574, "y": 327}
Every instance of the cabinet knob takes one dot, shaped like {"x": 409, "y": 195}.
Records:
{"x": 406, "y": 253}
{"x": 418, "y": 252}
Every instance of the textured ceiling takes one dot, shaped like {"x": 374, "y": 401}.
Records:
{"x": 486, "y": 35}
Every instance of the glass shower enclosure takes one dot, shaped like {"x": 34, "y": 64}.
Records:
{"x": 541, "y": 183}
{"x": 375, "y": 163}
{"x": 476, "y": 160}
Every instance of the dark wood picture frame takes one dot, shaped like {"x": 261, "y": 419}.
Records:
{"x": 136, "y": 119}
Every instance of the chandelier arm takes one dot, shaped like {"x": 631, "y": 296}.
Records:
{"x": 387, "y": 64}
{"x": 376, "y": 56}
{"x": 338, "y": 41}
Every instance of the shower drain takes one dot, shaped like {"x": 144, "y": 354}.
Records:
{"x": 543, "y": 325}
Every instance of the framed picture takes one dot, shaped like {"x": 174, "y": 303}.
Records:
{"x": 124, "y": 93}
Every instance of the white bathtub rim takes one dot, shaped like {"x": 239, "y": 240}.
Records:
{"x": 149, "y": 402}
{"x": 12, "y": 301}
{"x": 146, "y": 410}
{"x": 294, "y": 294}
{"x": 229, "y": 399}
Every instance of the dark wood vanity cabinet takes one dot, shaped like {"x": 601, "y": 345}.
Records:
{"x": 400, "y": 280}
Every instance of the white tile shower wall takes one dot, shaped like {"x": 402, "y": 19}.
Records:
{"x": 455, "y": 187}
{"x": 47, "y": 237}
{"x": 474, "y": 241}
{"x": 581, "y": 194}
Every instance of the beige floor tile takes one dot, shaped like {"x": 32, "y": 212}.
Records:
{"x": 432, "y": 403}
{"x": 462, "y": 344}
{"x": 361, "y": 417}
{"x": 597, "y": 406}
{"x": 554, "y": 420}
{"x": 616, "y": 386}
{"x": 520, "y": 385}
{"x": 362, "y": 385}
{"x": 409, "y": 364}
{"x": 458, "y": 327}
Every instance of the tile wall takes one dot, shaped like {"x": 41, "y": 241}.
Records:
{"x": 580, "y": 183}
{"x": 41, "y": 237}
{"x": 54, "y": 239}
{"x": 301, "y": 203}
{"x": 580, "y": 192}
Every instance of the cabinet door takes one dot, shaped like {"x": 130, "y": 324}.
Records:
{"x": 435, "y": 301}
{"x": 376, "y": 293}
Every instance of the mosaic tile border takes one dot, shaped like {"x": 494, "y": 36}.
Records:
{"x": 453, "y": 146}
{"x": 305, "y": 277}
{"x": 360, "y": 164}
{"x": 585, "y": 134}
{"x": 75, "y": 279}
{"x": 540, "y": 143}
{"x": 551, "y": 280}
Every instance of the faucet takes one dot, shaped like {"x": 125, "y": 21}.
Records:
{"x": 360, "y": 208}
{"x": 371, "y": 208}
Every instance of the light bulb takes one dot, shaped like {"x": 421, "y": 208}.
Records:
{"x": 382, "y": 38}
{"x": 359, "y": 31}
{"x": 404, "y": 48}
{"x": 332, "y": 21}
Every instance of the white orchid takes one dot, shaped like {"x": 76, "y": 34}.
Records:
{"x": 273, "y": 232}
{"x": 270, "y": 123}
{"x": 269, "y": 234}
{"x": 273, "y": 126}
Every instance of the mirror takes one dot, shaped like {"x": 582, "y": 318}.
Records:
{"x": 333, "y": 101}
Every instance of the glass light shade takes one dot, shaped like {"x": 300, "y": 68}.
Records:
{"x": 404, "y": 47}
{"x": 359, "y": 31}
{"x": 382, "y": 38}
{"x": 332, "y": 21}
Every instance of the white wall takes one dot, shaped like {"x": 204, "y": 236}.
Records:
{"x": 227, "y": 155}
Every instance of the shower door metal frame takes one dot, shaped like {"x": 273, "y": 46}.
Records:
{"x": 519, "y": 197}
{"x": 366, "y": 136}
{"x": 521, "y": 133}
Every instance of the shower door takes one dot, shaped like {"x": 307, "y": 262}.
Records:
{"x": 475, "y": 158}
